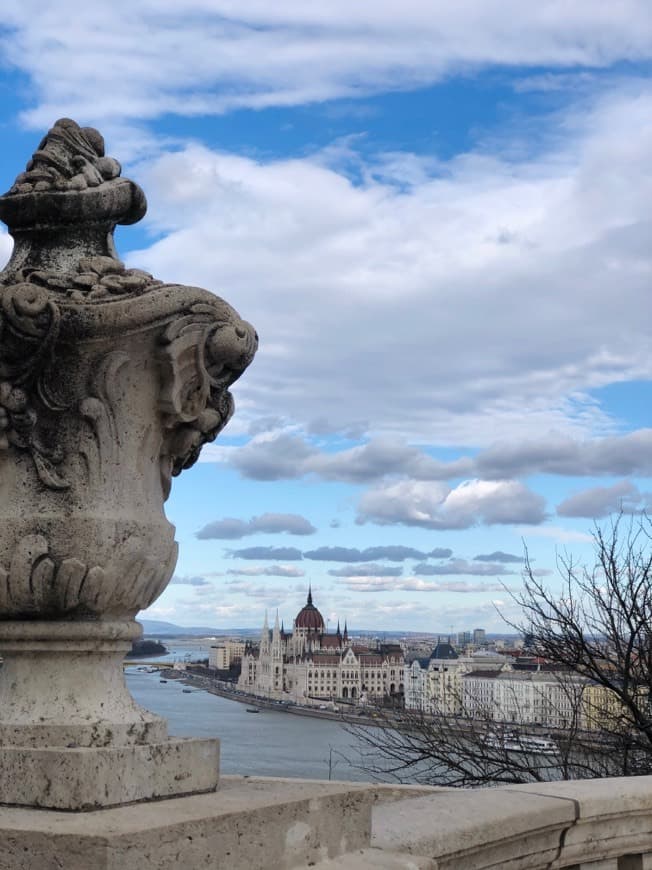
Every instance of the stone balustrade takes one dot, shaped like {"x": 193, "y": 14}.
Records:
{"x": 584, "y": 825}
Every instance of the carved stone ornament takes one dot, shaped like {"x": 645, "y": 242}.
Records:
{"x": 110, "y": 383}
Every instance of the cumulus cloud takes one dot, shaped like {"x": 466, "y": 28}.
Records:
{"x": 398, "y": 261}
{"x": 6, "y": 245}
{"x": 557, "y": 454}
{"x": 436, "y": 506}
{"x": 395, "y": 254}
{"x": 391, "y": 552}
{"x": 498, "y": 556}
{"x": 461, "y": 566}
{"x": 283, "y": 554}
{"x": 265, "y": 425}
{"x": 600, "y": 501}
{"x": 283, "y": 455}
{"x": 367, "y": 570}
{"x": 231, "y": 529}
{"x": 268, "y": 571}
{"x": 209, "y": 58}
{"x": 375, "y": 459}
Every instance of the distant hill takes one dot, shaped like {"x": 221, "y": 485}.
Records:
{"x": 154, "y": 628}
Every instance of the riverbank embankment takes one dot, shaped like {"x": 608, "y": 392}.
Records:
{"x": 225, "y": 690}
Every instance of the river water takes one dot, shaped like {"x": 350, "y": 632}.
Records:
{"x": 268, "y": 743}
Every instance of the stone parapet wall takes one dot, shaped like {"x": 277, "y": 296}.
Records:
{"x": 585, "y": 825}
{"x": 255, "y": 823}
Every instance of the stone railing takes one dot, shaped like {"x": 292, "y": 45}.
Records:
{"x": 584, "y": 825}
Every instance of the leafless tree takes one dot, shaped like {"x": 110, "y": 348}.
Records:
{"x": 596, "y": 627}
{"x": 599, "y": 625}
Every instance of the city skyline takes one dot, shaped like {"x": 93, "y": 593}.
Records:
{"x": 438, "y": 220}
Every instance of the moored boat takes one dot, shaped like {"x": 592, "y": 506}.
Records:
{"x": 514, "y": 742}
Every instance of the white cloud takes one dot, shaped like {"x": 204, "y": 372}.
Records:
{"x": 480, "y": 303}
{"x": 6, "y": 245}
{"x": 436, "y": 506}
{"x": 140, "y": 61}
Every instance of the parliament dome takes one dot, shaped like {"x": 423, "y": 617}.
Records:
{"x": 309, "y": 618}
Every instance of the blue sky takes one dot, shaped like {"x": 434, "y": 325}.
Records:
{"x": 437, "y": 216}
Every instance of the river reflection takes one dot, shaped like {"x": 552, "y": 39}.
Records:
{"x": 268, "y": 743}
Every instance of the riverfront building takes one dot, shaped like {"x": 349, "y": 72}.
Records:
{"x": 223, "y": 655}
{"x": 310, "y": 665}
{"x": 490, "y": 686}
{"x": 435, "y": 685}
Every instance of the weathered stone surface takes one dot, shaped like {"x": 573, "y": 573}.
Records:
{"x": 579, "y": 825}
{"x": 57, "y": 677}
{"x": 374, "y": 859}
{"x": 84, "y": 779}
{"x": 110, "y": 383}
{"x": 488, "y": 828}
{"x": 613, "y": 817}
{"x": 249, "y": 824}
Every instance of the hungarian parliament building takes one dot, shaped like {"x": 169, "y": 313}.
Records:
{"x": 309, "y": 665}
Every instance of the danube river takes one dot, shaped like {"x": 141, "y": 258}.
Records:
{"x": 268, "y": 743}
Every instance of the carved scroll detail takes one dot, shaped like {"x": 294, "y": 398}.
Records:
{"x": 202, "y": 354}
{"x": 101, "y": 449}
{"x": 29, "y": 325}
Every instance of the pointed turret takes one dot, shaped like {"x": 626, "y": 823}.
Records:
{"x": 264, "y": 636}
{"x": 277, "y": 651}
{"x": 276, "y": 633}
{"x": 310, "y": 594}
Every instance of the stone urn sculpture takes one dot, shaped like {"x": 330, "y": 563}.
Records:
{"x": 110, "y": 383}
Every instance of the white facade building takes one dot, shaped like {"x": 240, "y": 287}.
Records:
{"x": 435, "y": 685}
{"x": 548, "y": 698}
{"x": 308, "y": 665}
